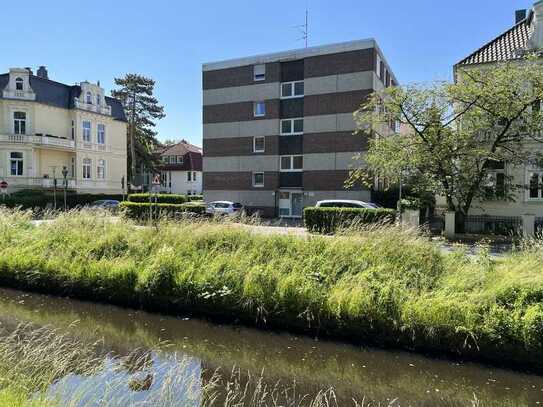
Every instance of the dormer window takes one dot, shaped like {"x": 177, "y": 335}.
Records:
{"x": 89, "y": 98}
{"x": 19, "y": 84}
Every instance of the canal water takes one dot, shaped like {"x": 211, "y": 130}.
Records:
{"x": 368, "y": 375}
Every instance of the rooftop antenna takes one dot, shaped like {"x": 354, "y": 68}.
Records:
{"x": 304, "y": 28}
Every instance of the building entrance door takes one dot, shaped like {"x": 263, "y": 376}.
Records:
{"x": 290, "y": 204}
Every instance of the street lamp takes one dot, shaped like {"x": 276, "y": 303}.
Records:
{"x": 65, "y": 175}
{"x": 55, "y": 188}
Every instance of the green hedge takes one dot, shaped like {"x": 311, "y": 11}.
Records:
{"x": 192, "y": 198}
{"x": 161, "y": 198}
{"x": 328, "y": 220}
{"x": 36, "y": 199}
{"x": 140, "y": 210}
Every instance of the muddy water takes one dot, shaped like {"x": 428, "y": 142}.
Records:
{"x": 372, "y": 375}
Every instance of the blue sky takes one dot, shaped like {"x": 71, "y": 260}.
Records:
{"x": 169, "y": 40}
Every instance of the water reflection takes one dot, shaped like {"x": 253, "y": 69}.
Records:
{"x": 373, "y": 375}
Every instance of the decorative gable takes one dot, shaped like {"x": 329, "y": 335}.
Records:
{"x": 18, "y": 86}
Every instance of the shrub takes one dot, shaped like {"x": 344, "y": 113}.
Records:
{"x": 32, "y": 199}
{"x": 329, "y": 220}
{"x": 139, "y": 210}
{"x": 192, "y": 198}
{"x": 160, "y": 198}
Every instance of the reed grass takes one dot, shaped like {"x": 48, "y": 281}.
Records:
{"x": 379, "y": 285}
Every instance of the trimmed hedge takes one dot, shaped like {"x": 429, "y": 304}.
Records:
{"x": 192, "y": 198}
{"x": 329, "y": 220}
{"x": 140, "y": 210}
{"x": 32, "y": 199}
{"x": 161, "y": 198}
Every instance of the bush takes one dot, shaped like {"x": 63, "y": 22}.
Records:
{"x": 329, "y": 220}
{"x": 192, "y": 198}
{"x": 137, "y": 210}
{"x": 32, "y": 199}
{"x": 161, "y": 198}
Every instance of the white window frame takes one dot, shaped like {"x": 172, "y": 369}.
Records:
{"x": 18, "y": 122}
{"x": 292, "y": 89}
{"x": 256, "y": 109}
{"x": 179, "y": 159}
{"x": 88, "y": 98}
{"x": 101, "y": 163}
{"x": 87, "y": 163}
{"x": 259, "y": 72}
{"x": 533, "y": 168}
{"x": 255, "y": 185}
{"x": 19, "y": 81}
{"x": 102, "y": 131}
{"x": 17, "y": 160}
{"x": 255, "y": 150}
{"x": 291, "y": 163}
{"x": 86, "y": 131}
{"x": 292, "y": 133}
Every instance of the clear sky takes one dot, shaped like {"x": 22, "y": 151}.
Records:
{"x": 169, "y": 40}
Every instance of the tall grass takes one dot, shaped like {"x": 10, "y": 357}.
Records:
{"x": 380, "y": 285}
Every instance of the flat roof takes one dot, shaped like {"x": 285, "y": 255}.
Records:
{"x": 292, "y": 54}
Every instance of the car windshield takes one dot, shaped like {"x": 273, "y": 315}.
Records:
{"x": 221, "y": 205}
{"x": 237, "y": 206}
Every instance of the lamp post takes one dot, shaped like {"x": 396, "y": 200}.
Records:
{"x": 55, "y": 188}
{"x": 122, "y": 185}
{"x": 65, "y": 175}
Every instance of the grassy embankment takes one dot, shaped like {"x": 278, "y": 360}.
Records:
{"x": 382, "y": 285}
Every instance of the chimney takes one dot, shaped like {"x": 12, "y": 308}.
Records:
{"x": 520, "y": 15}
{"x": 536, "y": 38}
{"x": 42, "y": 72}
{"x": 29, "y": 70}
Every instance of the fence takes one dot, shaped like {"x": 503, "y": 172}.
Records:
{"x": 494, "y": 225}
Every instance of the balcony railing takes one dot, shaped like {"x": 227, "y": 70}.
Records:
{"x": 39, "y": 182}
{"x": 41, "y": 140}
{"x": 102, "y": 109}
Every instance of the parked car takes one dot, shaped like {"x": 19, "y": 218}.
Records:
{"x": 224, "y": 208}
{"x": 109, "y": 204}
{"x": 346, "y": 203}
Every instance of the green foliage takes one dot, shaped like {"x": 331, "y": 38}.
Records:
{"x": 381, "y": 285}
{"x": 140, "y": 210}
{"x": 160, "y": 198}
{"x": 192, "y": 198}
{"x": 30, "y": 199}
{"x": 454, "y": 134}
{"x": 329, "y": 220}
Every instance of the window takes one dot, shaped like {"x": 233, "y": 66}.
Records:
{"x": 292, "y": 126}
{"x": 16, "y": 163}
{"x": 19, "y": 84}
{"x": 378, "y": 66}
{"x": 260, "y": 72}
{"x": 189, "y": 176}
{"x": 72, "y": 167}
{"x": 101, "y": 136}
{"x": 260, "y": 109}
{"x": 86, "y": 131}
{"x": 19, "y": 122}
{"x": 87, "y": 163}
{"x": 73, "y": 130}
{"x": 535, "y": 179}
{"x": 101, "y": 169}
{"x": 495, "y": 185}
{"x": 259, "y": 144}
{"x": 292, "y": 90}
{"x": 179, "y": 159}
{"x": 89, "y": 98}
{"x": 291, "y": 163}
{"x": 98, "y": 100}
{"x": 258, "y": 179}
{"x": 194, "y": 176}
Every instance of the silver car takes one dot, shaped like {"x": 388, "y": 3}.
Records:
{"x": 346, "y": 203}
{"x": 228, "y": 208}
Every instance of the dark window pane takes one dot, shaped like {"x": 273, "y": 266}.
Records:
{"x": 286, "y": 89}
{"x": 299, "y": 88}
{"x": 534, "y": 186}
{"x": 500, "y": 185}
{"x": 298, "y": 162}
{"x": 286, "y": 126}
{"x": 298, "y": 126}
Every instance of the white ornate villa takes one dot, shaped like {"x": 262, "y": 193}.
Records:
{"x": 47, "y": 126}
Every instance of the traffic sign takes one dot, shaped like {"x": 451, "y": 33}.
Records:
{"x": 156, "y": 180}
{"x": 3, "y": 187}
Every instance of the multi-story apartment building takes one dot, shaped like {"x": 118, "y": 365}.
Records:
{"x": 46, "y": 126}
{"x": 278, "y": 128}
{"x": 181, "y": 169}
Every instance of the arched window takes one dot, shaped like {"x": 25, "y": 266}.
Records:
{"x": 89, "y": 98}
{"x": 19, "y": 84}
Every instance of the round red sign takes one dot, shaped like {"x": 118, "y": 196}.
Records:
{"x": 3, "y": 184}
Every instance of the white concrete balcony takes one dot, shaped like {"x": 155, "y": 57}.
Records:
{"x": 19, "y": 94}
{"x": 101, "y": 109}
{"x": 38, "y": 140}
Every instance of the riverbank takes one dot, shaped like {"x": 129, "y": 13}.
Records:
{"x": 381, "y": 286}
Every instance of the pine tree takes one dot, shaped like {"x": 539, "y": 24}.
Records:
{"x": 142, "y": 110}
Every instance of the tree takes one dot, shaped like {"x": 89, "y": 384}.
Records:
{"x": 142, "y": 109}
{"x": 454, "y": 134}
